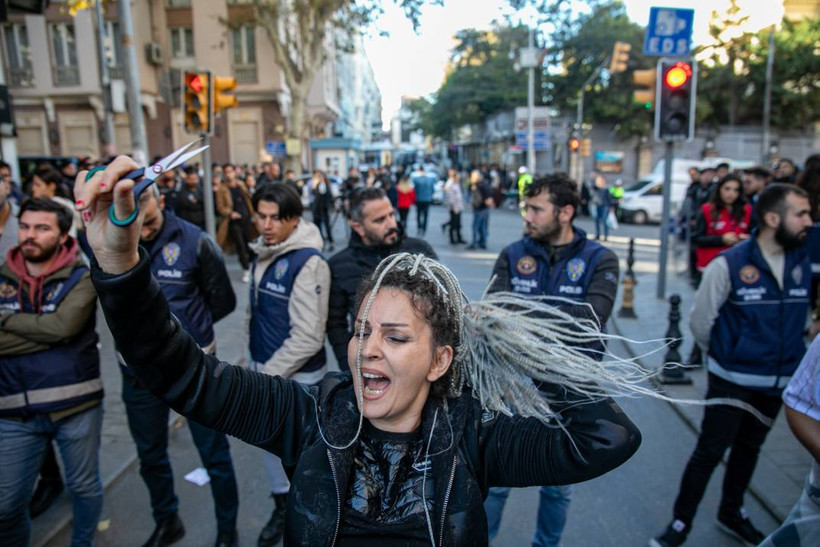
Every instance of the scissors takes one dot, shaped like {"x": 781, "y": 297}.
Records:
{"x": 149, "y": 175}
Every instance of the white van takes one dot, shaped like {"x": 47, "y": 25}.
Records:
{"x": 643, "y": 201}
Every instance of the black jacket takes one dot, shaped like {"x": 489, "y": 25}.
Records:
{"x": 471, "y": 450}
{"x": 347, "y": 268}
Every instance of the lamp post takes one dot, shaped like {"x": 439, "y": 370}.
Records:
{"x": 528, "y": 58}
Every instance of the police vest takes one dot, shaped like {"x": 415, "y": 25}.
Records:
{"x": 60, "y": 377}
{"x": 270, "y": 318}
{"x": 532, "y": 274}
{"x": 757, "y": 339}
{"x": 174, "y": 264}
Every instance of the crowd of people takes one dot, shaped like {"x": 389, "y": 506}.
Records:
{"x": 443, "y": 404}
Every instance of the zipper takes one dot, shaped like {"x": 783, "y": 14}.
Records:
{"x": 447, "y": 499}
{"x": 338, "y": 498}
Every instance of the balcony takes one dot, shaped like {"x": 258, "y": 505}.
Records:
{"x": 66, "y": 76}
{"x": 21, "y": 77}
{"x": 245, "y": 74}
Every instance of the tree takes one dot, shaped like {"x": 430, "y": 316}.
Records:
{"x": 731, "y": 82}
{"x": 299, "y": 31}
{"x": 481, "y": 80}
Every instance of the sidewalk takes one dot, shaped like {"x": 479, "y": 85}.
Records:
{"x": 783, "y": 463}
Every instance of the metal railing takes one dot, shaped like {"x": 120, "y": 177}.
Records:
{"x": 245, "y": 74}
{"x": 66, "y": 75}
{"x": 21, "y": 77}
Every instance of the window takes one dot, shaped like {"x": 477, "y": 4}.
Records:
{"x": 64, "y": 55}
{"x": 18, "y": 55}
{"x": 113, "y": 50}
{"x": 179, "y": 3}
{"x": 182, "y": 42}
{"x": 244, "y": 54}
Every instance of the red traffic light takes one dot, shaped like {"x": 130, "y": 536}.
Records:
{"x": 574, "y": 144}
{"x": 678, "y": 75}
{"x": 195, "y": 83}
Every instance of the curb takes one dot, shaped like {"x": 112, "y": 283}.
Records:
{"x": 768, "y": 506}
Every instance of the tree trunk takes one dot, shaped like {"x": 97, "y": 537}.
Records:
{"x": 296, "y": 128}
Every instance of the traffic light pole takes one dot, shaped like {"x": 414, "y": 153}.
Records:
{"x": 665, "y": 220}
{"x": 208, "y": 187}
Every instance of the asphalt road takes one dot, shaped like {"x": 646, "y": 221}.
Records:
{"x": 623, "y": 508}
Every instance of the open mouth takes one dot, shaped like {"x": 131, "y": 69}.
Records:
{"x": 374, "y": 384}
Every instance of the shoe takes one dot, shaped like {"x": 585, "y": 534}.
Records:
{"x": 275, "y": 528}
{"x": 482, "y": 246}
{"x": 740, "y": 527}
{"x": 169, "y": 530}
{"x": 44, "y": 495}
{"x": 471, "y": 246}
{"x": 674, "y": 535}
{"x": 227, "y": 539}
{"x": 246, "y": 276}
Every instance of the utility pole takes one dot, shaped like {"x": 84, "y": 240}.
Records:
{"x": 105, "y": 80}
{"x": 767, "y": 101}
{"x": 579, "y": 118}
{"x": 530, "y": 103}
{"x": 139, "y": 143}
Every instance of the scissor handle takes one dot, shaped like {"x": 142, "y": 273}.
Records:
{"x": 137, "y": 190}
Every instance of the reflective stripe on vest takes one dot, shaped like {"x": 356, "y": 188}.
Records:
{"x": 747, "y": 380}
{"x": 51, "y": 394}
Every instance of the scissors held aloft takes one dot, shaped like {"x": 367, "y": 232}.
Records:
{"x": 149, "y": 175}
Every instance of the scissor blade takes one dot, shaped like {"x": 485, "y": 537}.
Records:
{"x": 185, "y": 157}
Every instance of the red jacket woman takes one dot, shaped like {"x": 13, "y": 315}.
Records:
{"x": 723, "y": 221}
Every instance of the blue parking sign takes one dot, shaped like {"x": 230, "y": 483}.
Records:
{"x": 669, "y": 32}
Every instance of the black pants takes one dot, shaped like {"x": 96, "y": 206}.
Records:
{"x": 723, "y": 427}
{"x": 148, "y": 423}
{"x": 321, "y": 217}
{"x": 455, "y": 227}
{"x": 403, "y": 214}
{"x": 422, "y": 209}
{"x": 238, "y": 232}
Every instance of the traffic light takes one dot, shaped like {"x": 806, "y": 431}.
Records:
{"x": 197, "y": 112}
{"x": 574, "y": 144}
{"x": 222, "y": 99}
{"x": 645, "y": 79}
{"x": 620, "y": 57}
{"x": 586, "y": 147}
{"x": 675, "y": 115}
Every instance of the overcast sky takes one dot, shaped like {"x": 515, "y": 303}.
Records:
{"x": 412, "y": 64}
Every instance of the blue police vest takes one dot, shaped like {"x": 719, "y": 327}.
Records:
{"x": 813, "y": 248}
{"x": 532, "y": 274}
{"x": 757, "y": 339}
{"x": 60, "y": 377}
{"x": 270, "y": 319}
{"x": 174, "y": 264}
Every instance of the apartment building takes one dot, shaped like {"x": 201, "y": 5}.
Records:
{"x": 52, "y": 70}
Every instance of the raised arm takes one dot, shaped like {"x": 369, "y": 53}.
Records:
{"x": 272, "y": 413}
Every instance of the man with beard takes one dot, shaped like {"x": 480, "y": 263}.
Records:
{"x": 554, "y": 258}
{"x": 50, "y": 387}
{"x": 375, "y": 235}
{"x": 190, "y": 270}
{"x": 749, "y": 314}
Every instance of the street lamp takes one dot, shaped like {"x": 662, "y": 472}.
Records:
{"x": 528, "y": 59}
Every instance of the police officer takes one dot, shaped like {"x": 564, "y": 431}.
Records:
{"x": 554, "y": 258}
{"x": 287, "y": 313}
{"x": 191, "y": 273}
{"x": 749, "y": 313}
{"x": 50, "y": 384}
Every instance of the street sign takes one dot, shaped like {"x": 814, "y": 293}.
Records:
{"x": 540, "y": 140}
{"x": 277, "y": 149}
{"x": 669, "y": 32}
{"x": 540, "y": 118}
